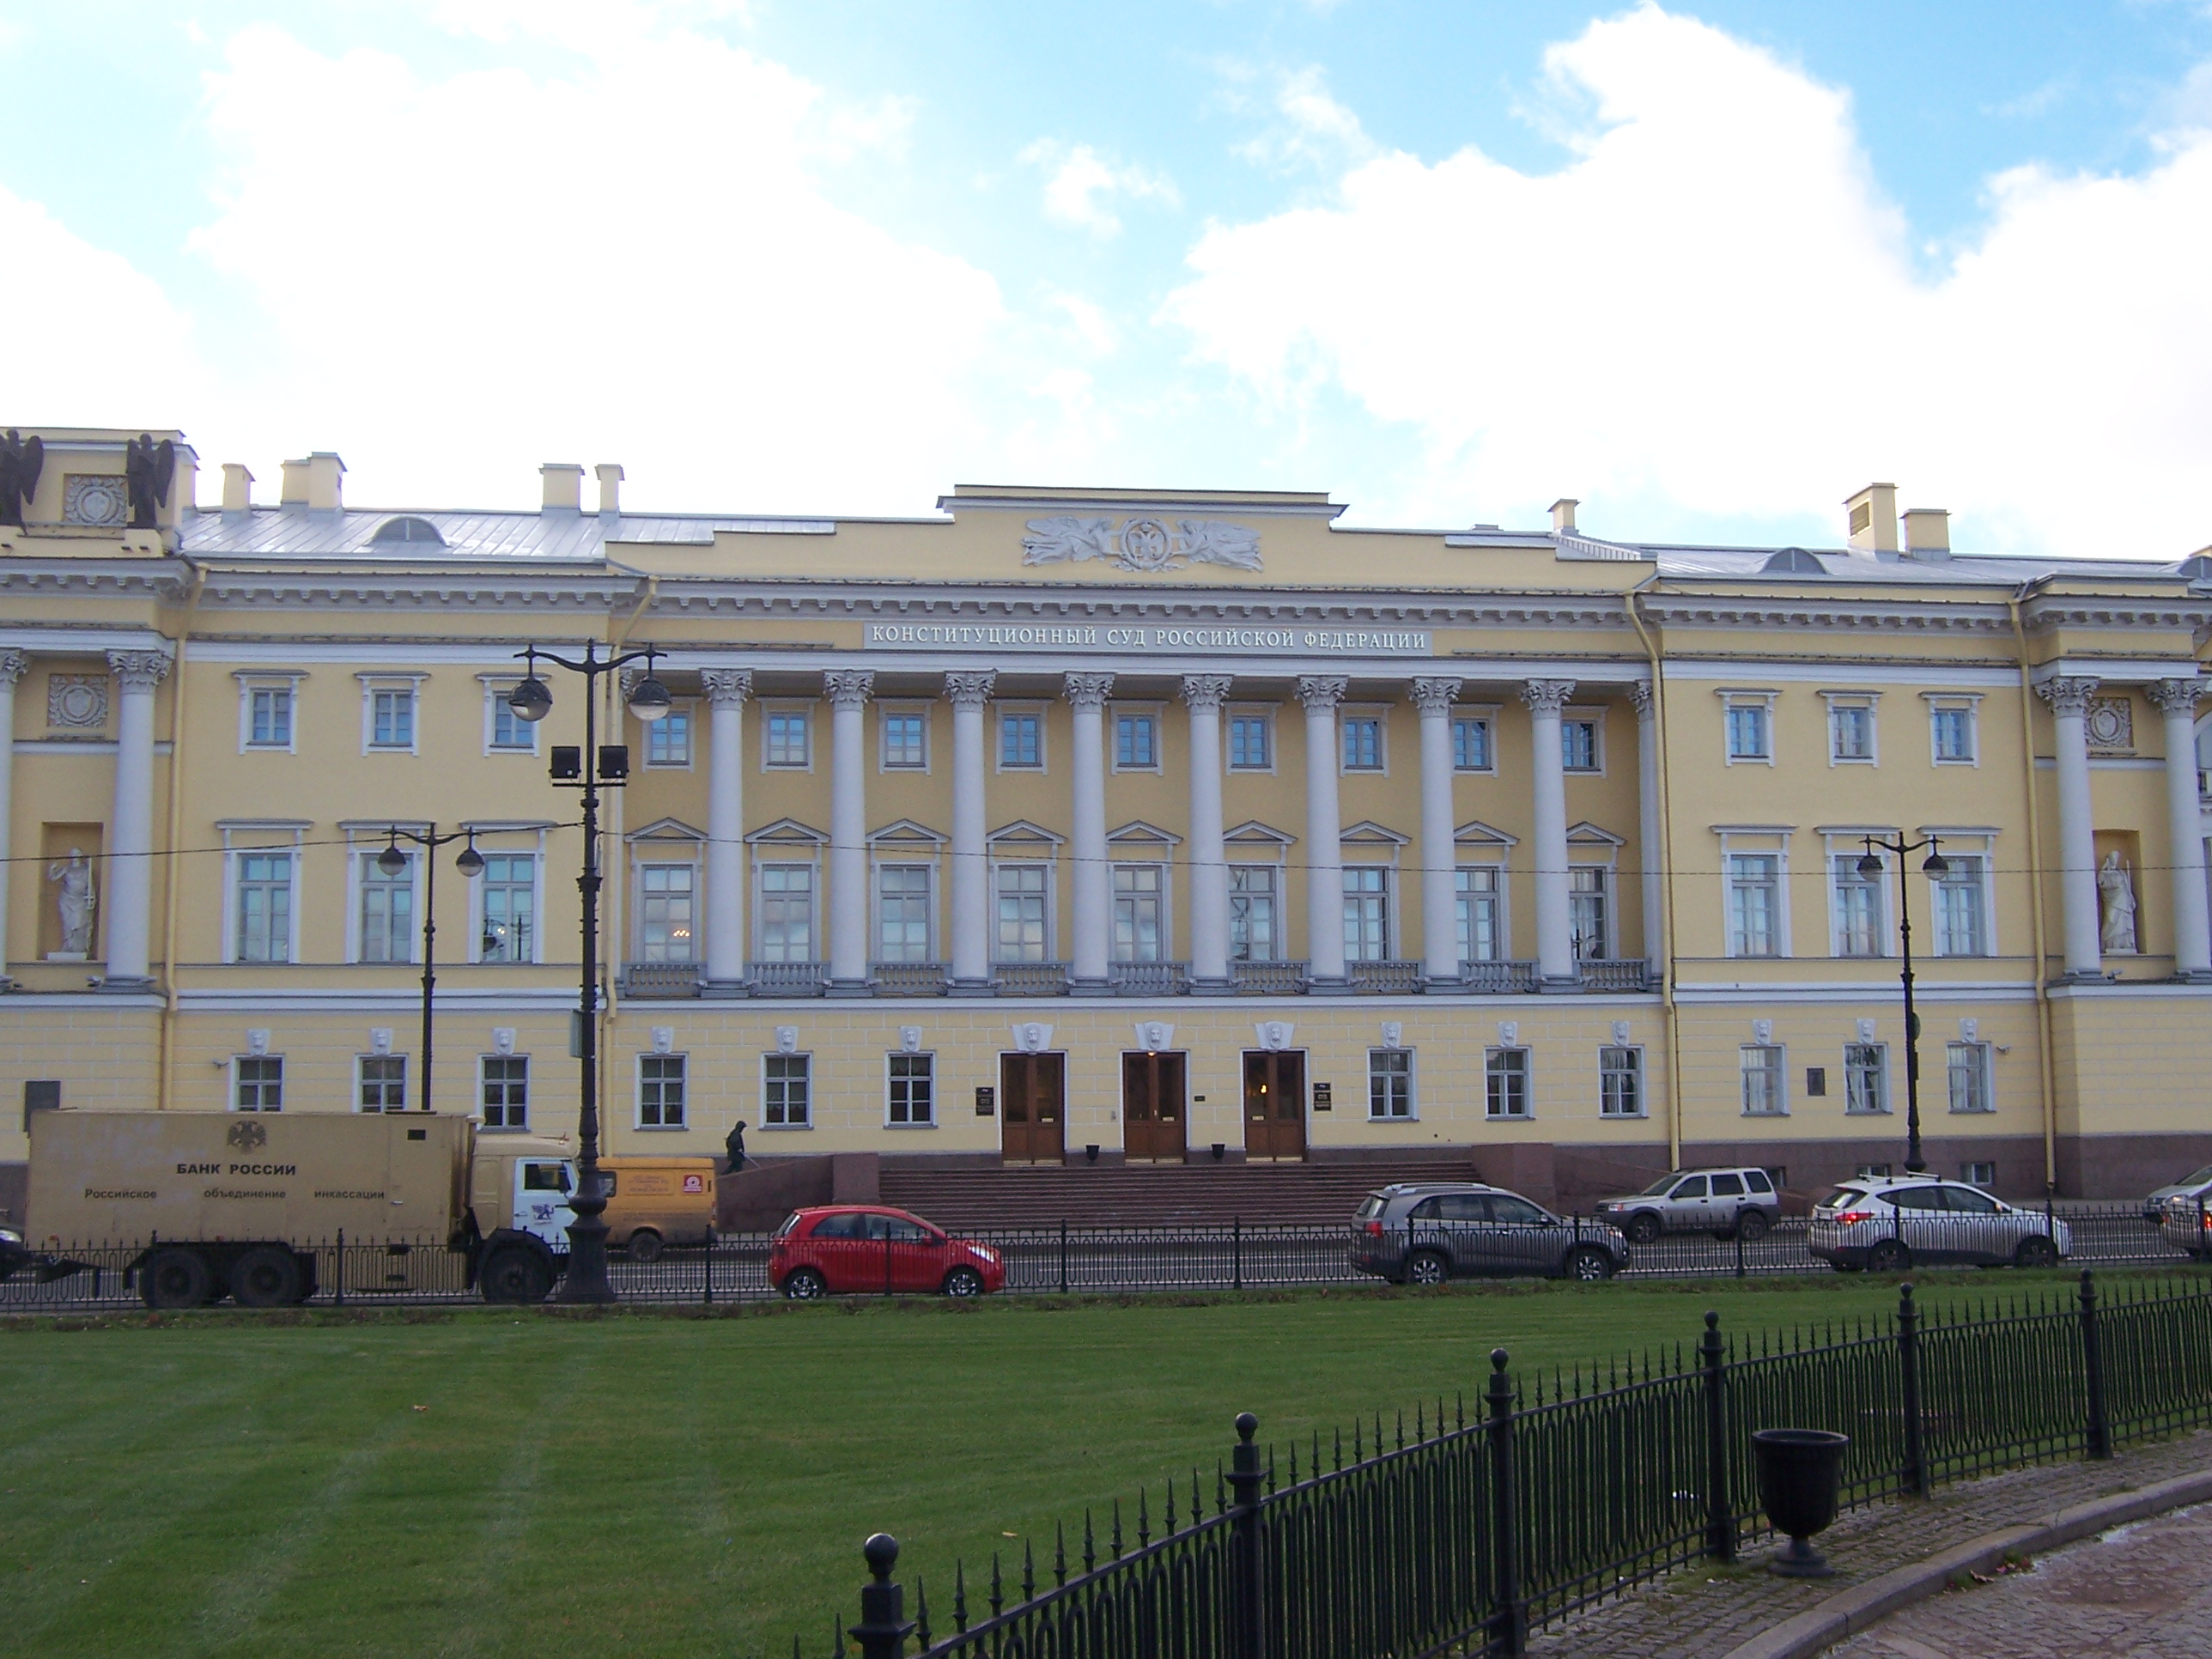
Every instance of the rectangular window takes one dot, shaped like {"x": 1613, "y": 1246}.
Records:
{"x": 1136, "y": 742}
{"x": 1252, "y": 934}
{"x": 1251, "y": 743}
{"x": 905, "y": 741}
{"x": 786, "y": 1090}
{"x": 258, "y": 1084}
{"x": 508, "y": 892}
{"x": 1850, "y": 731}
{"x": 1589, "y": 911}
{"x": 1470, "y": 750}
{"x": 1505, "y": 1082}
{"x": 269, "y": 717}
{"x": 1578, "y": 746}
{"x": 1983, "y": 1174}
{"x": 1951, "y": 733}
{"x": 660, "y": 1091}
{"x": 1362, "y": 743}
{"x": 1961, "y": 924}
{"x": 391, "y": 718}
{"x": 1389, "y": 1083}
{"x": 387, "y": 911}
{"x": 787, "y": 913}
{"x": 785, "y": 737}
{"x": 1966, "y": 1066}
{"x": 1620, "y": 1082}
{"x": 1762, "y": 1079}
{"x": 666, "y": 894}
{"x": 1139, "y": 915}
{"x": 380, "y": 1082}
{"x": 265, "y": 906}
{"x": 1021, "y": 742}
{"x": 1859, "y": 929}
{"x": 668, "y": 739}
{"x": 504, "y": 1085}
{"x": 1866, "y": 1077}
{"x": 509, "y": 729}
{"x": 1366, "y": 912}
{"x": 912, "y": 1102}
{"x": 1747, "y": 734}
{"x": 1754, "y": 902}
{"x": 1478, "y": 895}
{"x": 903, "y": 912}
{"x": 1021, "y": 913}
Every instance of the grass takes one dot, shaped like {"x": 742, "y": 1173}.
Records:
{"x": 490, "y": 1483}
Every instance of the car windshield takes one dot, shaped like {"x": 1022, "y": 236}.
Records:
{"x": 1658, "y": 1187}
{"x": 1843, "y": 1198}
{"x": 2197, "y": 1178}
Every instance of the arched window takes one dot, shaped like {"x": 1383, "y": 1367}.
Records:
{"x": 419, "y": 531}
{"x": 1794, "y": 562}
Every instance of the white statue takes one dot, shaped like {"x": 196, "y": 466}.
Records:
{"x": 75, "y": 900}
{"x": 2118, "y": 894}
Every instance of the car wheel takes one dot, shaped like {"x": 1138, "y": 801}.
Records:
{"x": 266, "y": 1276}
{"x": 1753, "y": 1225}
{"x": 2036, "y": 1252}
{"x": 1590, "y": 1264}
{"x": 645, "y": 1245}
{"x": 174, "y": 1279}
{"x": 963, "y": 1281}
{"x": 512, "y": 1273}
{"x": 805, "y": 1285}
{"x": 1642, "y": 1228}
{"x": 1427, "y": 1267}
{"x": 1843, "y": 1267}
{"x": 1890, "y": 1256}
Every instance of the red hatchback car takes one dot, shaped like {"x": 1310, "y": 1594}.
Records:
{"x": 845, "y": 1249}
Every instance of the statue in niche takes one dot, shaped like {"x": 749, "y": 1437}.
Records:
{"x": 72, "y": 878}
{"x": 2118, "y": 892}
{"x": 149, "y": 468}
{"x": 21, "y": 460}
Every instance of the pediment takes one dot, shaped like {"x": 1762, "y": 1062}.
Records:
{"x": 665, "y": 830}
{"x": 905, "y": 832}
{"x": 1587, "y": 834}
{"x": 1253, "y": 833}
{"x": 1369, "y": 832}
{"x": 1475, "y": 831}
{"x": 1136, "y": 829}
{"x": 789, "y": 831}
{"x": 1020, "y": 830}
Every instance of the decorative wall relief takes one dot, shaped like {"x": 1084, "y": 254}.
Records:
{"x": 1144, "y": 545}
{"x": 99, "y": 499}
{"x": 77, "y": 702}
{"x": 2111, "y": 725}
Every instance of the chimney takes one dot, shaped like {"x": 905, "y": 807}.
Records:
{"x": 611, "y": 477}
{"x": 564, "y": 487}
{"x": 1563, "y": 514}
{"x": 237, "y": 489}
{"x": 316, "y": 484}
{"x": 1874, "y": 519}
{"x": 1927, "y": 532}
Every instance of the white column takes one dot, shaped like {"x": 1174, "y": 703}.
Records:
{"x": 1209, "y": 866}
{"x": 727, "y": 690}
{"x": 1434, "y": 697}
{"x": 1555, "y": 945}
{"x": 129, "y": 900}
{"x": 2192, "y": 926}
{"x": 13, "y": 666}
{"x": 971, "y": 867}
{"x": 2077, "y": 834}
{"x": 847, "y": 691}
{"x": 1649, "y": 836}
{"x": 1321, "y": 693}
{"x": 1086, "y": 696}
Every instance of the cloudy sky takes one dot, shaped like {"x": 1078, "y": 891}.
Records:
{"x": 1707, "y": 270}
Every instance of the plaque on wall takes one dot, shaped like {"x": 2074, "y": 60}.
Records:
{"x": 986, "y": 1101}
{"x": 1321, "y": 1102}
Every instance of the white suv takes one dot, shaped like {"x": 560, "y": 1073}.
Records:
{"x": 1722, "y": 1202}
{"x": 1888, "y": 1223}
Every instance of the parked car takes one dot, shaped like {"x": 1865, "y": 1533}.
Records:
{"x": 1425, "y": 1232}
{"x": 1888, "y": 1223}
{"x": 844, "y": 1250}
{"x": 2187, "y": 1228}
{"x": 2182, "y": 1195}
{"x": 1722, "y": 1202}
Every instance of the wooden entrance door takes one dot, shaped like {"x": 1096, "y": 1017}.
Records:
{"x": 1274, "y": 1104}
{"x": 1032, "y": 1095}
{"x": 1153, "y": 1108}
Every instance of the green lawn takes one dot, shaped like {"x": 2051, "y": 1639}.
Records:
{"x": 484, "y": 1483}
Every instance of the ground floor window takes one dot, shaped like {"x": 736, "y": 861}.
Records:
{"x": 1389, "y": 1083}
{"x": 1506, "y": 1077}
{"x": 786, "y": 1090}
{"x": 913, "y": 1098}
{"x": 258, "y": 1084}
{"x": 1866, "y": 1077}
{"x": 1620, "y": 1082}
{"x": 1966, "y": 1066}
{"x": 1978, "y": 1175}
{"x": 505, "y": 1080}
{"x": 380, "y": 1082}
{"x": 1762, "y": 1079}
{"x": 661, "y": 1084}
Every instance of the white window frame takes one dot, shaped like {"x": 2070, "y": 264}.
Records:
{"x": 1393, "y": 937}
{"x": 484, "y": 1064}
{"x": 1781, "y": 1069}
{"x": 1756, "y": 841}
{"x": 1380, "y": 713}
{"x": 769, "y": 708}
{"x": 1263, "y": 713}
{"x": 1855, "y": 1104}
{"x": 905, "y": 709}
{"x": 1412, "y": 1075}
{"x": 1735, "y": 697}
{"x": 807, "y": 1058}
{"x": 1847, "y": 843}
{"x": 373, "y": 683}
{"x": 1986, "y": 1062}
{"x": 1160, "y": 862}
{"x": 781, "y": 853}
{"x": 362, "y": 847}
{"x": 667, "y": 855}
{"x": 1976, "y": 841}
{"x": 248, "y": 684}
{"x": 263, "y": 835}
{"x": 637, "y": 1100}
{"x": 687, "y": 706}
{"x": 360, "y": 1066}
{"x": 1156, "y": 713}
{"x": 1636, "y": 1069}
{"x": 924, "y": 859}
{"x": 1527, "y": 1111}
{"x": 1034, "y": 710}
{"x": 1870, "y": 703}
{"x": 1277, "y": 898}
{"x": 1501, "y": 926}
{"x": 496, "y": 687}
{"x": 892, "y": 1060}
{"x": 282, "y": 1082}
{"x": 1051, "y": 909}
{"x": 1970, "y": 702}
{"x": 489, "y": 839}
{"x": 1487, "y": 714}
{"x": 1593, "y": 715}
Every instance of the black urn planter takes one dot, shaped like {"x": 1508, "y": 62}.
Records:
{"x": 1800, "y": 1470}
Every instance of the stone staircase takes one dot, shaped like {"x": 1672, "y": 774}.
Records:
{"x": 1141, "y": 1195}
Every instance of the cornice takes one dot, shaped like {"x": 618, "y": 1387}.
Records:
{"x": 2070, "y": 611}
{"x": 160, "y": 579}
{"x": 1745, "y": 612}
{"x": 504, "y": 589}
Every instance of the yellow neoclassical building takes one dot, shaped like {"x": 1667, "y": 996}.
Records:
{"x": 1114, "y": 824}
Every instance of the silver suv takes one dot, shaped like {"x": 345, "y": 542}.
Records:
{"x": 2181, "y": 1196}
{"x": 1722, "y": 1202}
{"x": 1888, "y": 1223}
{"x": 1424, "y": 1232}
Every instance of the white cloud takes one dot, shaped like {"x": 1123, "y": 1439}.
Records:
{"x": 1710, "y": 311}
{"x": 1313, "y": 129}
{"x": 1080, "y": 181}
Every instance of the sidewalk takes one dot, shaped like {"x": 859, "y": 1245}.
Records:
{"x": 1705, "y": 1610}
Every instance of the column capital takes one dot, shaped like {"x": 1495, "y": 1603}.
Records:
{"x": 1322, "y": 691}
{"x": 1643, "y": 700}
{"x": 848, "y": 688}
{"x": 1205, "y": 693}
{"x": 2176, "y": 697}
{"x": 1546, "y": 697}
{"x": 139, "y": 670}
{"x": 726, "y": 687}
{"x": 1435, "y": 693}
{"x": 2069, "y": 694}
{"x": 970, "y": 691}
{"x": 1088, "y": 690}
{"x": 14, "y": 665}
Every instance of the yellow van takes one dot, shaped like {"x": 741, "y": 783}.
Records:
{"x": 656, "y": 1201}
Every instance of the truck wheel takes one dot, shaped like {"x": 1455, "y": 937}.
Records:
{"x": 644, "y": 1245}
{"x": 512, "y": 1274}
{"x": 266, "y": 1276}
{"x": 1642, "y": 1228}
{"x": 1890, "y": 1256}
{"x": 175, "y": 1278}
{"x": 2036, "y": 1251}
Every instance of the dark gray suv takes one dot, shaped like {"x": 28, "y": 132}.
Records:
{"x": 1424, "y": 1232}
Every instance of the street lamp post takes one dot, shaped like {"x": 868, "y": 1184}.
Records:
{"x": 588, "y": 769}
{"x": 1933, "y": 865}
{"x": 393, "y": 863}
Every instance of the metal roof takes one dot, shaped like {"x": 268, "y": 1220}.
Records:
{"x": 296, "y": 532}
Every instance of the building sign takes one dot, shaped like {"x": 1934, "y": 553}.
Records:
{"x": 1144, "y": 637}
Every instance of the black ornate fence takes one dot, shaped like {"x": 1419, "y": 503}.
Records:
{"x": 1459, "y": 1535}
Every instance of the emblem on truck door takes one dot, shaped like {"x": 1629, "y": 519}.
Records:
{"x": 247, "y": 1137}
